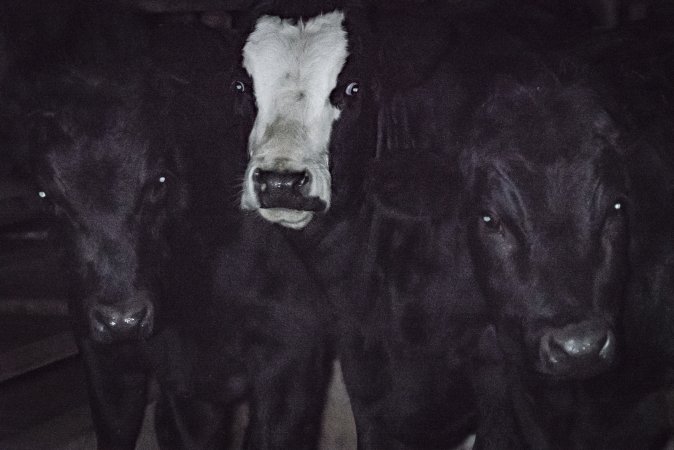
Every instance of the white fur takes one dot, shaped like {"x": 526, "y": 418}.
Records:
{"x": 294, "y": 67}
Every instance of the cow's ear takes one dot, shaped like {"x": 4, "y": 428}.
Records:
{"x": 420, "y": 184}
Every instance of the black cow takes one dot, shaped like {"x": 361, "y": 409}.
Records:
{"x": 106, "y": 131}
{"x": 87, "y": 144}
{"x": 549, "y": 237}
{"x": 530, "y": 335}
{"x": 108, "y": 173}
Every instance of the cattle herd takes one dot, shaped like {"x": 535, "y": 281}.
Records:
{"x": 468, "y": 204}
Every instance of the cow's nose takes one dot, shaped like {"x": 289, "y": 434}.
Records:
{"x": 117, "y": 324}
{"x": 269, "y": 181}
{"x": 578, "y": 350}
{"x": 288, "y": 190}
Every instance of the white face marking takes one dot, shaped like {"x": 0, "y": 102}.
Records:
{"x": 294, "y": 67}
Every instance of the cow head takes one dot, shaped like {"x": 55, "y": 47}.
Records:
{"x": 309, "y": 89}
{"x": 98, "y": 159}
{"x": 549, "y": 225}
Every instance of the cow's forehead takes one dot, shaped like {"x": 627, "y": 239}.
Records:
{"x": 101, "y": 175}
{"x": 562, "y": 186}
{"x": 304, "y": 57}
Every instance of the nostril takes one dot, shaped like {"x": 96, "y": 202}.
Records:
{"x": 258, "y": 181}
{"x": 304, "y": 181}
{"x": 554, "y": 350}
{"x": 104, "y": 319}
{"x": 608, "y": 349}
{"x": 134, "y": 319}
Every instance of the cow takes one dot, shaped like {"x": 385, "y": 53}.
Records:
{"x": 106, "y": 134}
{"x": 329, "y": 90}
{"x": 522, "y": 131}
{"x": 314, "y": 83}
{"x": 261, "y": 305}
{"x": 95, "y": 171}
{"x": 99, "y": 162}
{"x": 441, "y": 113}
{"x": 239, "y": 322}
{"x": 549, "y": 239}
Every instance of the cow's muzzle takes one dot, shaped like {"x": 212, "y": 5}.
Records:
{"x": 578, "y": 350}
{"x": 288, "y": 190}
{"x": 110, "y": 324}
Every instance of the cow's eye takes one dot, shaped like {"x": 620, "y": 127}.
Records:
{"x": 159, "y": 186}
{"x": 239, "y": 86}
{"x": 615, "y": 219}
{"x": 48, "y": 205}
{"x": 352, "y": 89}
{"x": 617, "y": 207}
{"x": 490, "y": 221}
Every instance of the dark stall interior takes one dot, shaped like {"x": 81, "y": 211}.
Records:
{"x": 43, "y": 396}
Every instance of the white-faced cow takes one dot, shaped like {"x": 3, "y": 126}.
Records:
{"x": 275, "y": 351}
{"x": 239, "y": 323}
{"x": 294, "y": 67}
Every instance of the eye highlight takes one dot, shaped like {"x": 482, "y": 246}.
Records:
{"x": 352, "y": 89}
{"x": 239, "y": 86}
{"x": 617, "y": 207}
{"x": 42, "y": 194}
{"x": 490, "y": 221}
{"x": 158, "y": 187}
